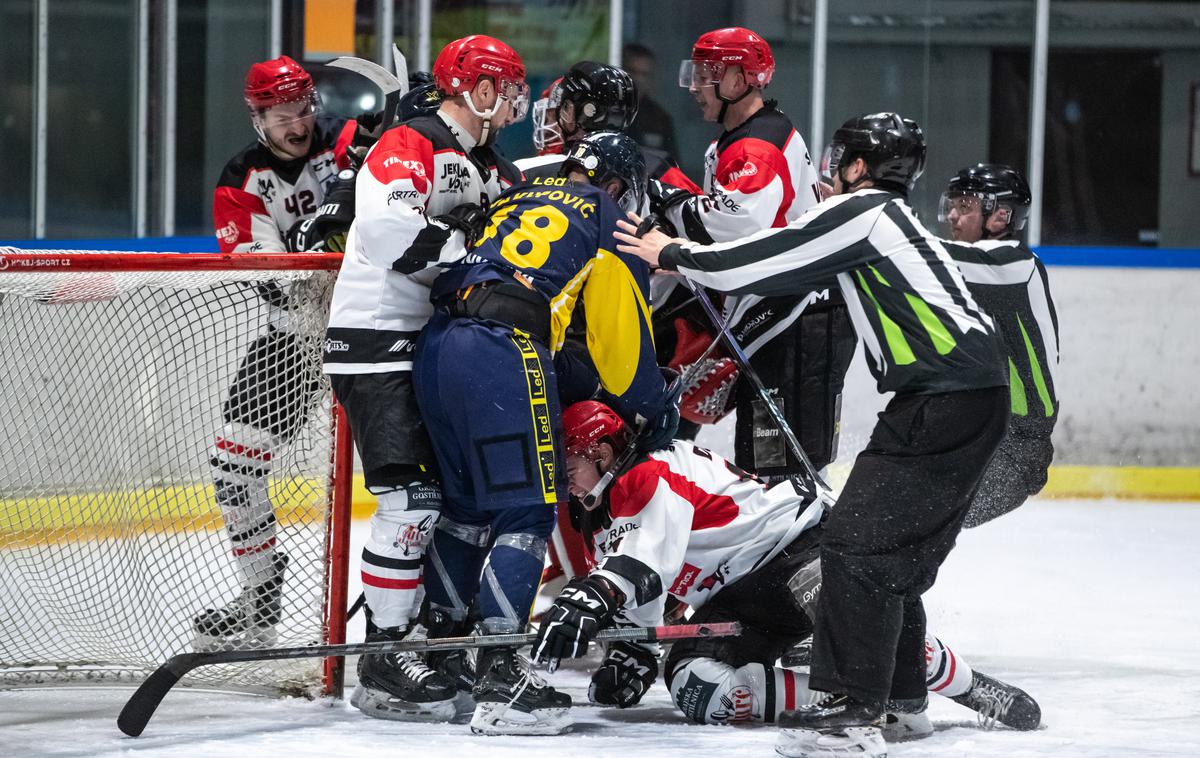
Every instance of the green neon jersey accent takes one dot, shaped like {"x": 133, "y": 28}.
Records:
{"x": 1038, "y": 380}
{"x": 941, "y": 338}
{"x": 902, "y": 354}
{"x": 1016, "y": 391}
{"x": 943, "y": 342}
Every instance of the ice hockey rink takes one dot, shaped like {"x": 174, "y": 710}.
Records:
{"x": 1091, "y": 606}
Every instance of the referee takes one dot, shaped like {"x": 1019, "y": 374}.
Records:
{"x": 925, "y": 339}
{"x": 986, "y": 206}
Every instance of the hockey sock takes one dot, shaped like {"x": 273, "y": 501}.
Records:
{"x": 708, "y": 691}
{"x": 241, "y": 464}
{"x": 455, "y": 557}
{"x": 568, "y": 551}
{"x": 510, "y": 580}
{"x": 401, "y": 528}
{"x": 945, "y": 673}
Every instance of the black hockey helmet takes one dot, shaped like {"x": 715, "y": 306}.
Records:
{"x": 603, "y": 156}
{"x": 422, "y": 99}
{"x": 603, "y": 96}
{"x": 995, "y": 185}
{"x": 892, "y": 147}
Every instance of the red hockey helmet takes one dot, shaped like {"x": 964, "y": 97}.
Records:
{"x": 719, "y": 49}
{"x": 281, "y": 80}
{"x": 587, "y": 423}
{"x": 462, "y": 62}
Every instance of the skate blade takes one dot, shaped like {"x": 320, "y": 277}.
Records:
{"x": 905, "y": 727}
{"x": 854, "y": 741}
{"x": 464, "y": 704}
{"x": 493, "y": 719}
{"x": 251, "y": 639}
{"x": 380, "y": 705}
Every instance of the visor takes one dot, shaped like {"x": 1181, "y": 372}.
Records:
{"x": 517, "y": 94}
{"x": 287, "y": 113}
{"x": 697, "y": 74}
{"x": 831, "y": 159}
{"x": 965, "y": 203}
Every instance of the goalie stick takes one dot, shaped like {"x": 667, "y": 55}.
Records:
{"x": 145, "y": 700}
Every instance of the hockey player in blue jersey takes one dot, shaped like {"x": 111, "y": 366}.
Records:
{"x": 488, "y": 389}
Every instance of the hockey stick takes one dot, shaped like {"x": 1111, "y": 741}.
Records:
{"x": 145, "y": 701}
{"x": 743, "y": 360}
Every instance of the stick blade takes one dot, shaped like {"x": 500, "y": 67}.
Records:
{"x": 149, "y": 695}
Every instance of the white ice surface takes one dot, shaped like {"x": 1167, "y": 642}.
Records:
{"x": 1093, "y": 607}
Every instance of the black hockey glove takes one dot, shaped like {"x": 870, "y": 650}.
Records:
{"x": 581, "y": 610}
{"x": 627, "y": 672}
{"x": 468, "y": 218}
{"x": 326, "y": 230}
{"x": 662, "y": 197}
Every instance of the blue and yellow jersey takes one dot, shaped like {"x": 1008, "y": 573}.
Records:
{"x": 556, "y": 237}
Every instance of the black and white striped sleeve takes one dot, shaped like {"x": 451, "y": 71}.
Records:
{"x": 826, "y": 240}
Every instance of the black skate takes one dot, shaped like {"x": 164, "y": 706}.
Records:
{"x": 836, "y": 727}
{"x": 456, "y": 665}
{"x": 906, "y": 719}
{"x": 511, "y": 699}
{"x": 798, "y": 656}
{"x": 249, "y": 620}
{"x": 996, "y": 701}
{"x": 400, "y": 686}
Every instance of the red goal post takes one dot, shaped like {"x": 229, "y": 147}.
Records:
{"x": 118, "y": 368}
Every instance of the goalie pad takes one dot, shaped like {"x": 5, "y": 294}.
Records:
{"x": 708, "y": 396}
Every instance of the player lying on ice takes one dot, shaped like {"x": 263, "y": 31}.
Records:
{"x": 684, "y": 522}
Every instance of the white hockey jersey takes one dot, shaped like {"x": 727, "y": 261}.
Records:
{"x": 419, "y": 169}
{"x": 686, "y": 522}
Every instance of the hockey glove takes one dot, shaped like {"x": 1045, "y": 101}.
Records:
{"x": 581, "y": 610}
{"x": 660, "y": 430}
{"x": 326, "y": 230}
{"x": 627, "y": 672}
{"x": 468, "y": 218}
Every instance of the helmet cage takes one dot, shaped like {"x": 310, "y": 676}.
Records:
{"x": 547, "y": 134}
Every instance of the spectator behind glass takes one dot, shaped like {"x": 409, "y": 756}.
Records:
{"x": 653, "y": 126}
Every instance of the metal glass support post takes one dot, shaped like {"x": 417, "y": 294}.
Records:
{"x": 424, "y": 34}
{"x": 385, "y": 28}
{"x": 616, "y": 12}
{"x": 275, "y": 21}
{"x": 170, "y": 67}
{"x": 816, "y": 134}
{"x": 1037, "y": 120}
{"x": 141, "y": 120}
{"x": 41, "y": 27}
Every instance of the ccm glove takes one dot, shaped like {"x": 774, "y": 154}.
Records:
{"x": 581, "y": 610}
{"x": 627, "y": 672}
{"x": 326, "y": 230}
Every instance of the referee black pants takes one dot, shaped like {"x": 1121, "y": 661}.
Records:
{"x": 893, "y": 525}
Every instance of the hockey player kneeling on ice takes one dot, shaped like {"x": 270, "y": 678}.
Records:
{"x": 685, "y": 522}
{"x": 486, "y": 381}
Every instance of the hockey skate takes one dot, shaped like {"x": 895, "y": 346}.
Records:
{"x": 511, "y": 699}
{"x": 249, "y": 620}
{"x": 400, "y": 686}
{"x": 996, "y": 701}
{"x": 905, "y": 720}
{"x": 798, "y": 656}
{"x": 456, "y": 665}
{"x": 836, "y": 727}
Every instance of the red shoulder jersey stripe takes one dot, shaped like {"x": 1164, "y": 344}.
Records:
{"x": 676, "y": 178}
{"x": 342, "y": 144}
{"x": 232, "y": 212}
{"x": 634, "y": 490}
{"x": 402, "y": 153}
{"x": 749, "y": 165}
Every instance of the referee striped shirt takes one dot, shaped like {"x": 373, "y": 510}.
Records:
{"x": 921, "y": 329}
{"x": 1009, "y": 281}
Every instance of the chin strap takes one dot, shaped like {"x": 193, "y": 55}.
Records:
{"x": 485, "y": 115}
{"x": 726, "y": 102}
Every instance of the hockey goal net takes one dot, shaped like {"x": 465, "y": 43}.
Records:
{"x": 117, "y": 371}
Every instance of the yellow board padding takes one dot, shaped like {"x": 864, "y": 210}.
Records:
{"x": 1124, "y": 482}
{"x": 99, "y": 515}
{"x": 31, "y": 521}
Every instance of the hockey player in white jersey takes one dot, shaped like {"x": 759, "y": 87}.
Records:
{"x": 265, "y": 195}
{"x": 420, "y": 197}
{"x": 758, "y": 175}
{"x": 683, "y": 522}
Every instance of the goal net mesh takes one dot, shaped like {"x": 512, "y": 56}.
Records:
{"x": 116, "y": 391}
